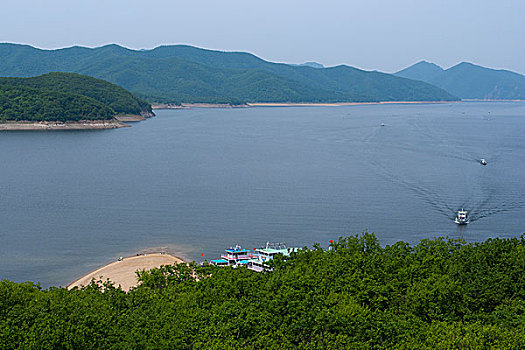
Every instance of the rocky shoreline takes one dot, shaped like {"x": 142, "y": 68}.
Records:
{"x": 80, "y": 125}
{"x": 119, "y": 122}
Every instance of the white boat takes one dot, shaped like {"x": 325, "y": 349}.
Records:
{"x": 261, "y": 256}
{"x": 462, "y": 217}
{"x": 256, "y": 260}
{"x": 483, "y": 161}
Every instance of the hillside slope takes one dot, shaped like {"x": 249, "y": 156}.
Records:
{"x": 65, "y": 97}
{"x": 117, "y": 98}
{"x": 469, "y": 81}
{"x": 187, "y": 74}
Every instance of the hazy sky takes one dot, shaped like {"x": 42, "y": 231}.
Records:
{"x": 370, "y": 34}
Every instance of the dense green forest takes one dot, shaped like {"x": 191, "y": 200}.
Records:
{"x": 65, "y": 97}
{"x": 27, "y": 104}
{"x": 469, "y": 81}
{"x": 439, "y": 294}
{"x": 185, "y": 74}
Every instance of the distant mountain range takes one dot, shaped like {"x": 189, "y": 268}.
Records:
{"x": 180, "y": 73}
{"x": 310, "y": 64}
{"x": 469, "y": 81}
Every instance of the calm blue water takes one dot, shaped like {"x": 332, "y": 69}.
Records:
{"x": 197, "y": 181}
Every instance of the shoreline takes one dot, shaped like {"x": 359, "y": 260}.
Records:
{"x": 341, "y": 104}
{"x": 130, "y": 118}
{"x": 80, "y": 125}
{"x": 489, "y": 100}
{"x": 287, "y": 104}
{"x": 122, "y": 272}
{"x": 196, "y": 105}
{"x": 119, "y": 121}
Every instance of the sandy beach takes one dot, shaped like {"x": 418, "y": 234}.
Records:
{"x": 123, "y": 272}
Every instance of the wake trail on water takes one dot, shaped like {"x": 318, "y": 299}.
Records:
{"x": 451, "y": 151}
{"x": 475, "y": 190}
{"x": 482, "y": 202}
{"x": 481, "y": 206}
{"x": 370, "y": 136}
{"x": 490, "y": 206}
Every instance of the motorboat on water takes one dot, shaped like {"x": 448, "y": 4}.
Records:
{"x": 483, "y": 161}
{"x": 382, "y": 124}
{"x": 462, "y": 217}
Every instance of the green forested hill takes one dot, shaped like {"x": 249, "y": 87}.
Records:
{"x": 187, "y": 74}
{"x": 63, "y": 97}
{"x": 439, "y": 294}
{"x": 117, "y": 98}
{"x": 469, "y": 81}
{"x": 20, "y": 103}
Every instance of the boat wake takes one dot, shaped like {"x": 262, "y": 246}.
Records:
{"x": 490, "y": 205}
{"x": 482, "y": 204}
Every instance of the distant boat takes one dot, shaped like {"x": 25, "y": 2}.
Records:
{"x": 382, "y": 124}
{"x": 483, "y": 161}
{"x": 462, "y": 217}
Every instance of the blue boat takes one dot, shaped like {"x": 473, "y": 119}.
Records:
{"x": 234, "y": 256}
{"x": 256, "y": 260}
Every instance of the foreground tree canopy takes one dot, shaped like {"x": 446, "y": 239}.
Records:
{"x": 65, "y": 97}
{"x": 439, "y": 294}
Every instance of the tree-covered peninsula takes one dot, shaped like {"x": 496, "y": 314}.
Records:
{"x": 438, "y": 294}
{"x": 65, "y": 97}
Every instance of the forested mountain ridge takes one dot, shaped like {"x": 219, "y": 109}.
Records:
{"x": 438, "y": 294}
{"x": 181, "y": 73}
{"x": 469, "y": 81}
{"x": 65, "y": 97}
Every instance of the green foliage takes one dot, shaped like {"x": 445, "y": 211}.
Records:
{"x": 20, "y": 103}
{"x": 185, "y": 74}
{"x": 65, "y": 97}
{"x": 439, "y": 294}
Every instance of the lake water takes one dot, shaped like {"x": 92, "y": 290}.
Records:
{"x": 197, "y": 181}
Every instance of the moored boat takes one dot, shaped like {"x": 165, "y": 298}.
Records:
{"x": 256, "y": 260}
{"x": 234, "y": 256}
{"x": 261, "y": 256}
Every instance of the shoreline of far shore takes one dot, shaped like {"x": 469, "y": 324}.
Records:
{"x": 340, "y": 104}
{"x": 122, "y": 272}
{"x": 286, "y": 104}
